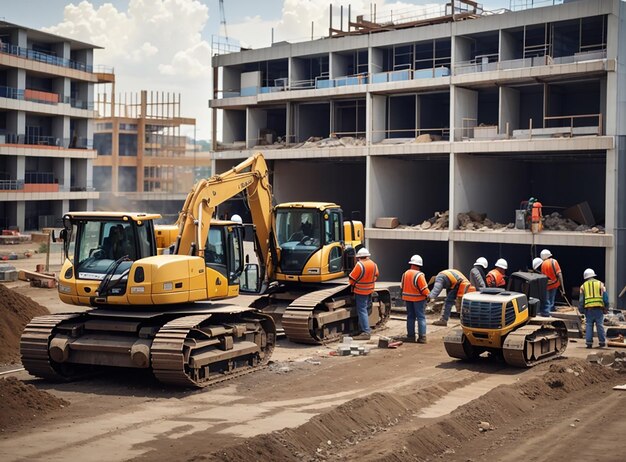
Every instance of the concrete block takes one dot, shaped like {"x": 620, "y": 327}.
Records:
{"x": 8, "y": 275}
{"x": 387, "y": 222}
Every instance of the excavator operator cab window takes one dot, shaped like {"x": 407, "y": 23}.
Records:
{"x": 298, "y": 227}
{"x": 215, "y": 251}
{"x": 332, "y": 227}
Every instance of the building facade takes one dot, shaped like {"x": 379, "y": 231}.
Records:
{"x": 46, "y": 134}
{"x": 468, "y": 111}
{"x": 145, "y": 162}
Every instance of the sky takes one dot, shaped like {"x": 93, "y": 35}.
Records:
{"x": 165, "y": 45}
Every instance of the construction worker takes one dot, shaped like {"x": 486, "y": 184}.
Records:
{"x": 477, "y": 273}
{"x": 362, "y": 279}
{"x": 551, "y": 268}
{"x": 595, "y": 301}
{"x": 536, "y": 264}
{"x": 414, "y": 293}
{"x": 456, "y": 285}
{"x": 497, "y": 276}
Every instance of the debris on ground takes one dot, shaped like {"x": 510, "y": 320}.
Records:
{"x": 20, "y": 403}
{"x": 475, "y": 221}
{"x": 16, "y": 310}
{"x": 557, "y": 222}
{"x": 439, "y": 221}
{"x": 387, "y": 342}
{"x": 613, "y": 359}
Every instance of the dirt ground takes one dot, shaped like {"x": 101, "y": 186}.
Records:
{"x": 409, "y": 404}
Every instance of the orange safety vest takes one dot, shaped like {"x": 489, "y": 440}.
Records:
{"x": 456, "y": 278}
{"x": 363, "y": 277}
{"x": 495, "y": 279}
{"x": 550, "y": 267}
{"x": 414, "y": 286}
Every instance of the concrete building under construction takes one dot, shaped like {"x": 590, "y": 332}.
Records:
{"x": 144, "y": 160}
{"x": 462, "y": 111}
{"x": 46, "y": 134}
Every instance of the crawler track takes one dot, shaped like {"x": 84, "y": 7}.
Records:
{"x": 178, "y": 344}
{"x": 535, "y": 343}
{"x": 310, "y": 319}
{"x": 34, "y": 348}
{"x": 187, "y": 350}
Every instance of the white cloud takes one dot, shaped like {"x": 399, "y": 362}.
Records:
{"x": 153, "y": 45}
{"x": 294, "y": 24}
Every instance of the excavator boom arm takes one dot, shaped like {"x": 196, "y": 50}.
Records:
{"x": 251, "y": 176}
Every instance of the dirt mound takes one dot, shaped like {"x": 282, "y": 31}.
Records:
{"x": 20, "y": 403}
{"x": 16, "y": 310}
{"x": 355, "y": 429}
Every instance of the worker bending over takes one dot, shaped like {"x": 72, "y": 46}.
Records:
{"x": 456, "y": 285}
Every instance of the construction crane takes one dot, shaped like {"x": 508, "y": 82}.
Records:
{"x": 223, "y": 19}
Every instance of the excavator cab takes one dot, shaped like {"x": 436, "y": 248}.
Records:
{"x": 310, "y": 242}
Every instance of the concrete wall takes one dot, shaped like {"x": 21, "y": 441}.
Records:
{"x": 342, "y": 182}
{"x": 465, "y": 106}
{"x": 412, "y": 190}
{"x": 313, "y": 120}
{"x": 233, "y": 126}
{"x": 256, "y": 120}
{"x": 509, "y": 109}
{"x": 502, "y": 187}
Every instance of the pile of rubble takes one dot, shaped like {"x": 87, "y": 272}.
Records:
{"x": 474, "y": 221}
{"x": 331, "y": 142}
{"x": 556, "y": 222}
{"x": 613, "y": 358}
{"x": 439, "y": 221}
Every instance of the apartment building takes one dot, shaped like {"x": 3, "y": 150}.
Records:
{"x": 146, "y": 160}
{"x": 46, "y": 112}
{"x": 461, "y": 111}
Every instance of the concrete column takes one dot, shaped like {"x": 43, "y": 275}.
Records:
{"x": 16, "y": 78}
{"x": 20, "y": 171}
{"x": 507, "y": 46}
{"x": 89, "y": 174}
{"x": 20, "y": 215}
{"x": 375, "y": 60}
{"x": 65, "y": 207}
{"x": 62, "y": 50}
{"x": 61, "y": 167}
{"x": 338, "y": 65}
{"x": 19, "y": 38}
{"x": 289, "y": 123}
{"x": 612, "y": 211}
{"x": 16, "y": 123}
{"x": 508, "y": 110}
{"x": 375, "y": 116}
{"x": 256, "y": 119}
{"x": 464, "y": 104}
{"x": 461, "y": 49}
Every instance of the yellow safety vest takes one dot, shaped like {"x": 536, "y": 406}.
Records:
{"x": 593, "y": 293}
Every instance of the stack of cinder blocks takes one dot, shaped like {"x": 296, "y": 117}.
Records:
{"x": 348, "y": 348}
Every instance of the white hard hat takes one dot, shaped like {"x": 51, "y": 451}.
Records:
{"x": 416, "y": 260}
{"x": 363, "y": 252}
{"x": 589, "y": 273}
{"x": 501, "y": 263}
{"x": 236, "y": 218}
{"x": 545, "y": 253}
{"x": 537, "y": 262}
{"x": 482, "y": 261}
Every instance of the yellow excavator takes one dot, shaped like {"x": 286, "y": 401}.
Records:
{"x": 151, "y": 310}
{"x": 505, "y": 324}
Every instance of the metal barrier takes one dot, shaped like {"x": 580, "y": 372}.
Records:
{"x": 43, "y": 57}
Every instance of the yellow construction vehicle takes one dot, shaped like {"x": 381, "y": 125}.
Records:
{"x": 504, "y": 323}
{"x": 151, "y": 310}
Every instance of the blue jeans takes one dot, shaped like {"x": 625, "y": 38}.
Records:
{"x": 449, "y": 303}
{"x": 548, "y": 307}
{"x": 416, "y": 310}
{"x": 595, "y": 315}
{"x": 363, "y": 303}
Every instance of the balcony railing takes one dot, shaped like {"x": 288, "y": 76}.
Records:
{"x": 46, "y": 140}
{"x": 43, "y": 57}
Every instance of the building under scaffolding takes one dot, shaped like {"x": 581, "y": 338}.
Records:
{"x": 145, "y": 161}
